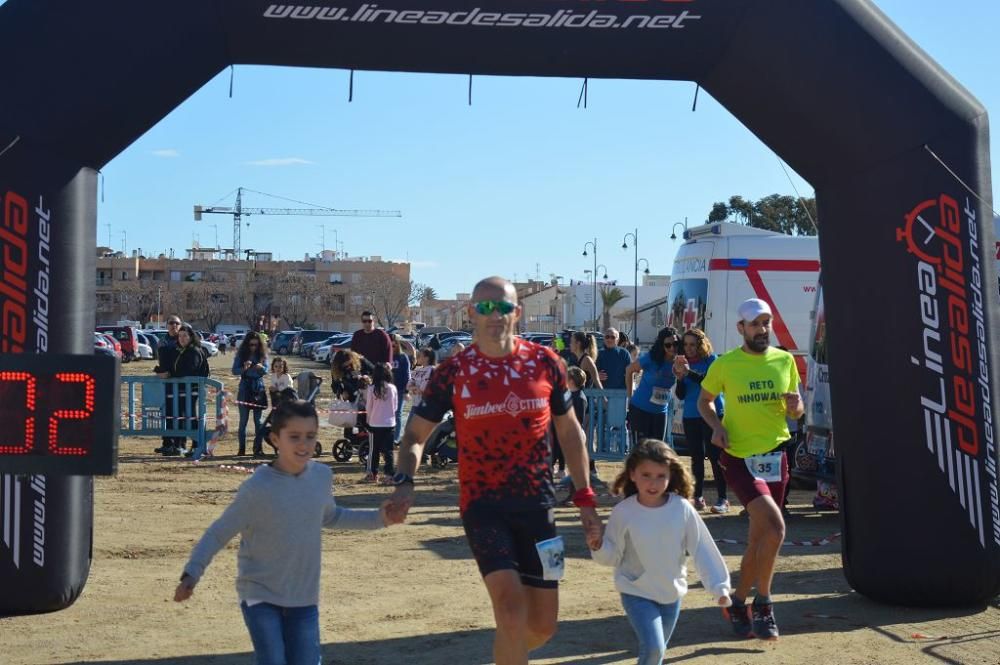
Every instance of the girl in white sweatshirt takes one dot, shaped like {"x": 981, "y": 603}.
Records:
{"x": 648, "y": 538}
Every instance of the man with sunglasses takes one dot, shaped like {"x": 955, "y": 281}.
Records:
{"x": 761, "y": 384}
{"x": 505, "y": 392}
{"x": 166, "y": 354}
{"x": 612, "y": 361}
{"x": 370, "y": 342}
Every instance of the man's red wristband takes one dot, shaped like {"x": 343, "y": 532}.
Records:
{"x": 585, "y": 498}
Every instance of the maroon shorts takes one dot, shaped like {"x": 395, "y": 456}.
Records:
{"x": 746, "y": 486}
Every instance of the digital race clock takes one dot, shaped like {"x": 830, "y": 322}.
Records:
{"x": 58, "y": 414}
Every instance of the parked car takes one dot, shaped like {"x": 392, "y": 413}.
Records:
{"x": 211, "y": 347}
{"x": 282, "y": 342}
{"x": 114, "y": 343}
{"x": 330, "y": 346}
{"x": 159, "y": 333}
{"x": 545, "y": 339}
{"x": 447, "y": 345}
{"x": 150, "y": 340}
{"x": 127, "y": 340}
{"x": 303, "y": 337}
{"x": 144, "y": 351}
{"x": 102, "y": 346}
{"x": 426, "y": 333}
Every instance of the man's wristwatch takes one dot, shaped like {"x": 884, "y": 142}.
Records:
{"x": 402, "y": 479}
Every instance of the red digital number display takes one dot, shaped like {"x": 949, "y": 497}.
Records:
{"x": 58, "y": 414}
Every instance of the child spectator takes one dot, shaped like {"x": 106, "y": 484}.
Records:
{"x": 279, "y": 381}
{"x": 279, "y": 513}
{"x": 426, "y": 360}
{"x": 380, "y": 407}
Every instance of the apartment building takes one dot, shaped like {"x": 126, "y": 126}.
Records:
{"x": 327, "y": 291}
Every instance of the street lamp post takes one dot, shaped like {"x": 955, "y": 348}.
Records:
{"x": 594, "y": 302}
{"x": 635, "y": 282}
{"x": 673, "y": 234}
{"x": 597, "y": 326}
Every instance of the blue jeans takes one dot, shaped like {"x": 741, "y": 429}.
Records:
{"x": 283, "y": 635}
{"x": 399, "y": 415}
{"x": 653, "y": 624}
{"x": 245, "y": 412}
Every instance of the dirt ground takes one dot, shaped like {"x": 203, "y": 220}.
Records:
{"x": 412, "y": 593}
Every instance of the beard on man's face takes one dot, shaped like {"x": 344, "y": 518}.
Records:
{"x": 758, "y": 343}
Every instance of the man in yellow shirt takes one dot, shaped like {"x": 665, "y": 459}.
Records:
{"x": 761, "y": 384}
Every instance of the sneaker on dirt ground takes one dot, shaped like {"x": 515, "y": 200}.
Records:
{"x": 764, "y": 627}
{"x": 721, "y": 507}
{"x": 739, "y": 619}
{"x": 699, "y": 503}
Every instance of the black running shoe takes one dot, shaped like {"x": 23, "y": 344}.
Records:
{"x": 764, "y": 627}
{"x": 739, "y": 619}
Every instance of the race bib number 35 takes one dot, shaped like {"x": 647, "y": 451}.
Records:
{"x": 767, "y": 467}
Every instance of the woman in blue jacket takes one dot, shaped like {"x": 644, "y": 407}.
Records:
{"x": 649, "y": 401}
{"x": 250, "y": 364}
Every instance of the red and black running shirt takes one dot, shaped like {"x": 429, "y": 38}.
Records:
{"x": 503, "y": 408}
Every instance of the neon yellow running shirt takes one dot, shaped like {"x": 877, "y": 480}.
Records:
{"x": 753, "y": 386}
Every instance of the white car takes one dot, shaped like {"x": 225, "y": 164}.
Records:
{"x": 144, "y": 351}
{"x": 211, "y": 347}
{"x": 322, "y": 353}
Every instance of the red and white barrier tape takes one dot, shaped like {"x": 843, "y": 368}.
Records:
{"x": 816, "y": 542}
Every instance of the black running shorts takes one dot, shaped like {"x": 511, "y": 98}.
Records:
{"x": 502, "y": 540}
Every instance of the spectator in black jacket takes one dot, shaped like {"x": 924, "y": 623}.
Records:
{"x": 191, "y": 360}
{"x": 166, "y": 352}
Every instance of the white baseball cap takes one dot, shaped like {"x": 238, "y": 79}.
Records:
{"x": 751, "y": 309}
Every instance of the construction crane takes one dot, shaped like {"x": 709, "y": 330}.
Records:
{"x": 238, "y": 212}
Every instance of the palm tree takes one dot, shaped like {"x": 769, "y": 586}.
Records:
{"x": 609, "y": 298}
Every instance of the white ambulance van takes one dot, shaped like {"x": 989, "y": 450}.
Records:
{"x": 722, "y": 264}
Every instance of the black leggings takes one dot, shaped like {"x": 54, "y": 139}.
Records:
{"x": 381, "y": 445}
{"x": 646, "y": 425}
{"x": 699, "y": 440}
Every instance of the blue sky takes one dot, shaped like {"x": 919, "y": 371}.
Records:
{"x": 514, "y": 184}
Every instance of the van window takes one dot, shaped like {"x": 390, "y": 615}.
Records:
{"x": 687, "y": 301}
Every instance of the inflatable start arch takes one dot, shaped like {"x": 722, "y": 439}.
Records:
{"x": 851, "y": 103}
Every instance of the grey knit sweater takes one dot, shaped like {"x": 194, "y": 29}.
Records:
{"x": 279, "y": 518}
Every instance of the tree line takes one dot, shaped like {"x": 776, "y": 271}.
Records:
{"x": 783, "y": 214}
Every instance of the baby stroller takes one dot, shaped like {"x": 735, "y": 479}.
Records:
{"x": 308, "y": 384}
{"x": 358, "y": 439}
{"x": 442, "y": 446}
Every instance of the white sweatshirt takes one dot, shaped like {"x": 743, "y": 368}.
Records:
{"x": 649, "y": 546}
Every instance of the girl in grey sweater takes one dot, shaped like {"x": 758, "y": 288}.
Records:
{"x": 279, "y": 513}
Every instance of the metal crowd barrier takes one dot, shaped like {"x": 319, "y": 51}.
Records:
{"x": 157, "y": 407}
{"x": 607, "y": 434}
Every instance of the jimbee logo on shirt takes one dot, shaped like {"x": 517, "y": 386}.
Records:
{"x": 512, "y": 406}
